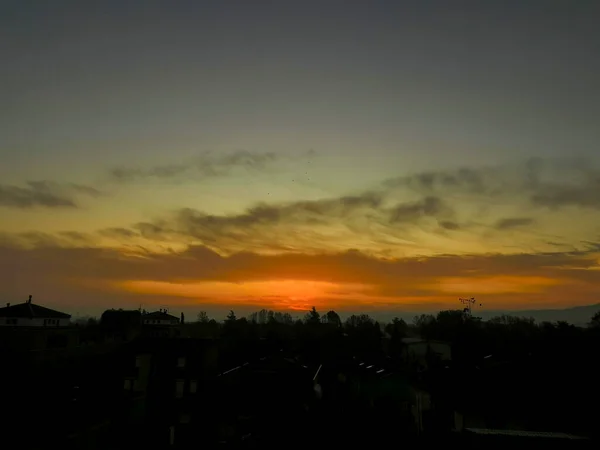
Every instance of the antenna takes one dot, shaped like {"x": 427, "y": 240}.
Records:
{"x": 468, "y": 302}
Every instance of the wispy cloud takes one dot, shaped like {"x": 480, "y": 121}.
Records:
{"x": 316, "y": 225}
{"x": 513, "y": 222}
{"x": 40, "y": 239}
{"x": 424, "y": 213}
{"x": 206, "y": 165}
{"x": 427, "y": 207}
{"x": 118, "y": 233}
{"x": 540, "y": 182}
{"x": 44, "y": 194}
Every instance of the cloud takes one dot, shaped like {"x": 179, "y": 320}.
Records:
{"x": 584, "y": 194}
{"x": 552, "y": 183}
{"x": 76, "y": 237}
{"x": 118, "y": 233}
{"x": 427, "y": 207}
{"x": 513, "y": 222}
{"x": 447, "y": 212}
{"x": 205, "y": 166}
{"x": 342, "y": 280}
{"x": 421, "y": 214}
{"x": 422, "y": 239}
{"x": 44, "y": 194}
{"x": 450, "y": 225}
{"x": 315, "y": 225}
{"x": 40, "y": 239}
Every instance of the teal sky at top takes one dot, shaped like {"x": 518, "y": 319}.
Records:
{"x": 390, "y": 85}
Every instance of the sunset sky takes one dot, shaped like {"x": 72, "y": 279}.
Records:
{"x": 375, "y": 156}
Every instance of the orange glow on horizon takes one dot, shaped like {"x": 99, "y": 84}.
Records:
{"x": 278, "y": 294}
{"x": 293, "y": 295}
{"x": 497, "y": 284}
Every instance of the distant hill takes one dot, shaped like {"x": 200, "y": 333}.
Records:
{"x": 578, "y": 315}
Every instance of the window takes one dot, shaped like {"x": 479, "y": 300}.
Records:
{"x": 179, "y": 384}
{"x": 193, "y": 386}
{"x": 185, "y": 418}
{"x": 138, "y": 361}
{"x": 127, "y": 386}
{"x": 136, "y": 385}
{"x": 181, "y": 361}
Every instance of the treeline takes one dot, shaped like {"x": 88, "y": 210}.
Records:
{"x": 313, "y": 320}
{"x": 504, "y": 336}
{"x": 267, "y": 316}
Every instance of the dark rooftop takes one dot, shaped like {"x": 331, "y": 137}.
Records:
{"x": 159, "y": 315}
{"x": 31, "y": 311}
{"x": 518, "y": 433}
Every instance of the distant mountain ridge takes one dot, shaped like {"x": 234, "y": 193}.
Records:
{"x": 577, "y": 315}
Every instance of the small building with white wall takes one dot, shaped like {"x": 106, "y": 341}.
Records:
{"x": 160, "y": 317}
{"x": 160, "y": 324}
{"x": 29, "y": 314}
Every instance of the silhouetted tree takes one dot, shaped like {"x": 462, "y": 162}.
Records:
{"x": 231, "y": 317}
{"x": 313, "y": 317}
{"x": 86, "y": 321}
{"x": 333, "y": 318}
{"x": 398, "y": 328}
{"x": 202, "y": 317}
{"x": 262, "y": 316}
{"x": 286, "y": 318}
{"x": 424, "y": 324}
{"x": 595, "y": 321}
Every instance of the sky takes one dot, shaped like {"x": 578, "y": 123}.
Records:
{"x": 377, "y": 156}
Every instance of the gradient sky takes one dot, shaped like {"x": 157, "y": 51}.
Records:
{"x": 362, "y": 156}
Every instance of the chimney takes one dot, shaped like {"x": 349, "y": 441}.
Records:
{"x": 29, "y": 301}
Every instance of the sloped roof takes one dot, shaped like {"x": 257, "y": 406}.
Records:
{"x": 519, "y": 433}
{"x": 415, "y": 340}
{"x": 31, "y": 311}
{"x": 159, "y": 315}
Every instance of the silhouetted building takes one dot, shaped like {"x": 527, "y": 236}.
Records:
{"x": 165, "y": 380}
{"x": 29, "y": 314}
{"x": 120, "y": 318}
{"x": 121, "y": 325}
{"x": 160, "y": 324}
{"x": 160, "y": 318}
{"x": 29, "y": 329}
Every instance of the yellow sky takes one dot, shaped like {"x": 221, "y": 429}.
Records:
{"x": 414, "y": 241}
